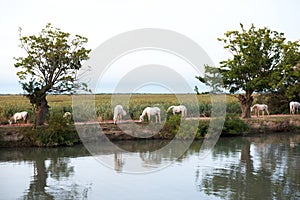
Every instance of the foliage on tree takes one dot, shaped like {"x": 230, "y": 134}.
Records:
{"x": 285, "y": 80}
{"x": 196, "y": 89}
{"x": 256, "y": 54}
{"x": 50, "y": 66}
{"x": 213, "y": 79}
{"x": 286, "y": 77}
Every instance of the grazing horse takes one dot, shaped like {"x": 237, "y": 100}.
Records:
{"x": 67, "y": 115}
{"x": 151, "y": 111}
{"x": 17, "y": 116}
{"x": 260, "y": 107}
{"x": 118, "y": 113}
{"x": 178, "y": 109}
{"x": 294, "y": 106}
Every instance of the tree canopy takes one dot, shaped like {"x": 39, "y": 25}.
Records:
{"x": 261, "y": 61}
{"x": 50, "y": 66}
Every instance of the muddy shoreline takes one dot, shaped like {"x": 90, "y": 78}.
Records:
{"x": 17, "y": 135}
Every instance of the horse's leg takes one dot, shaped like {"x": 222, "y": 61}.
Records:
{"x": 118, "y": 118}
{"x": 149, "y": 117}
{"x": 293, "y": 110}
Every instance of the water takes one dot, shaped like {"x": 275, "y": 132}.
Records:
{"x": 265, "y": 167}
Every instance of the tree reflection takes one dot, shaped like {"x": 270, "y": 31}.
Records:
{"x": 265, "y": 169}
{"x": 118, "y": 162}
{"x": 55, "y": 164}
{"x": 39, "y": 183}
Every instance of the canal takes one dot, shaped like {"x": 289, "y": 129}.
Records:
{"x": 258, "y": 167}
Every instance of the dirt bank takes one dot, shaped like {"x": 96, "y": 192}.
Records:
{"x": 17, "y": 135}
{"x": 274, "y": 123}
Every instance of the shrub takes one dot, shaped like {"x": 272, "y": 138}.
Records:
{"x": 58, "y": 132}
{"x": 234, "y": 125}
{"x": 202, "y": 129}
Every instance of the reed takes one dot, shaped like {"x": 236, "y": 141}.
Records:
{"x": 10, "y": 104}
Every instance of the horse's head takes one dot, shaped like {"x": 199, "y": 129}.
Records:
{"x": 170, "y": 108}
{"x": 10, "y": 121}
{"x": 141, "y": 119}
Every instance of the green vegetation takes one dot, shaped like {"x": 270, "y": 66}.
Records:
{"x": 234, "y": 125}
{"x": 10, "y": 104}
{"x": 262, "y": 61}
{"x": 263, "y": 65}
{"x": 51, "y": 65}
{"x": 62, "y": 132}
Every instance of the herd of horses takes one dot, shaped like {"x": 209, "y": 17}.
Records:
{"x": 149, "y": 111}
{"x": 257, "y": 108}
{"x": 119, "y": 112}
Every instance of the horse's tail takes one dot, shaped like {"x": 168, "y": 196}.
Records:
{"x": 26, "y": 117}
{"x": 291, "y": 107}
{"x": 267, "y": 109}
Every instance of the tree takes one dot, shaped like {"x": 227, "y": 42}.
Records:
{"x": 212, "y": 78}
{"x": 51, "y": 65}
{"x": 256, "y": 53}
{"x": 286, "y": 77}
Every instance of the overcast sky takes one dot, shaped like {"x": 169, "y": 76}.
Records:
{"x": 99, "y": 20}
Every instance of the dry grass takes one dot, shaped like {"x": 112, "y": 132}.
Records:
{"x": 10, "y": 104}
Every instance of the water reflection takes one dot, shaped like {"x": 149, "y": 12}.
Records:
{"x": 265, "y": 167}
{"x": 138, "y": 156}
{"x": 48, "y": 164}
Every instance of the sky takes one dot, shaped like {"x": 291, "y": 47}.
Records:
{"x": 99, "y": 20}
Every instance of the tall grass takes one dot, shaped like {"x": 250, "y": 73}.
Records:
{"x": 10, "y": 104}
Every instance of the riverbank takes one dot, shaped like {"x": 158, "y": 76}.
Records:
{"x": 273, "y": 123}
{"x": 25, "y": 135}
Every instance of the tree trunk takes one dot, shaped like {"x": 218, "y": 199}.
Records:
{"x": 41, "y": 112}
{"x": 246, "y": 158}
{"x": 245, "y": 102}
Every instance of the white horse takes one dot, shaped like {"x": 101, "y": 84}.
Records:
{"x": 118, "y": 113}
{"x": 178, "y": 109}
{"x": 151, "y": 111}
{"x": 17, "y": 116}
{"x": 67, "y": 115}
{"x": 294, "y": 106}
{"x": 260, "y": 107}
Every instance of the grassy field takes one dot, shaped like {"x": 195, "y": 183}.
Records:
{"x": 60, "y": 132}
{"x": 10, "y": 104}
